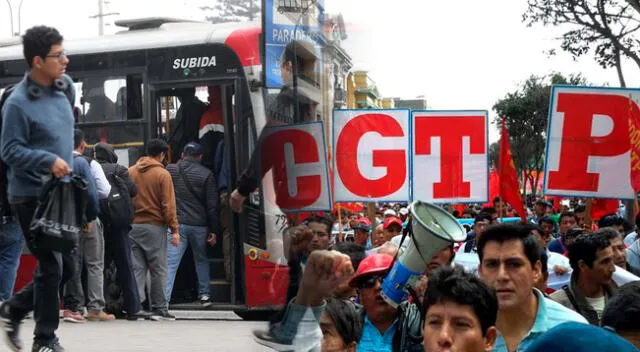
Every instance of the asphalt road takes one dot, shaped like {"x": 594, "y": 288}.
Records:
{"x": 220, "y": 332}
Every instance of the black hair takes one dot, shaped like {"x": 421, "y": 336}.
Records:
{"x": 38, "y": 40}
{"x": 482, "y": 217}
{"x": 470, "y": 212}
{"x": 623, "y": 309}
{"x": 542, "y": 202}
{"x": 489, "y": 210}
{"x": 156, "y": 146}
{"x": 585, "y": 248}
{"x": 580, "y": 208}
{"x": 609, "y": 233}
{"x": 610, "y": 220}
{"x": 627, "y": 226}
{"x": 456, "y": 214}
{"x": 568, "y": 214}
{"x": 78, "y": 138}
{"x": 455, "y": 285}
{"x": 546, "y": 220}
{"x": 289, "y": 55}
{"x": 354, "y": 251}
{"x": 511, "y": 231}
{"x": 496, "y": 200}
{"x": 322, "y": 219}
{"x": 544, "y": 258}
{"x": 346, "y": 318}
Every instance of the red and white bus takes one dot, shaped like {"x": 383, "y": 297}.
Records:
{"x": 130, "y": 78}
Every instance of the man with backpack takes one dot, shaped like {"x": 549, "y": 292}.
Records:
{"x": 197, "y": 205}
{"x": 116, "y": 213}
{"x": 90, "y": 253}
{"x": 37, "y": 138}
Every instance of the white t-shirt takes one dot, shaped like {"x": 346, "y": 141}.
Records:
{"x": 597, "y": 304}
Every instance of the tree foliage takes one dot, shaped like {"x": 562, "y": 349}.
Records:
{"x": 526, "y": 111}
{"x": 609, "y": 28}
{"x": 494, "y": 154}
{"x": 232, "y": 11}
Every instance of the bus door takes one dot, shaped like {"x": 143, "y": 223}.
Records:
{"x": 202, "y": 112}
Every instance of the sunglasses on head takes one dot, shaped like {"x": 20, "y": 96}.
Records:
{"x": 370, "y": 281}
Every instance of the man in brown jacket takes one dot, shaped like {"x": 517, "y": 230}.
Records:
{"x": 155, "y": 206}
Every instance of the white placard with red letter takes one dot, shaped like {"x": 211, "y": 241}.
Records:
{"x": 450, "y": 156}
{"x": 371, "y": 149}
{"x": 588, "y": 151}
{"x": 296, "y": 155}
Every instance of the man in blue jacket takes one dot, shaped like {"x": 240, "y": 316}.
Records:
{"x": 37, "y": 138}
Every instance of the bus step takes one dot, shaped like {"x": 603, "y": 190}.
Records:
{"x": 220, "y": 291}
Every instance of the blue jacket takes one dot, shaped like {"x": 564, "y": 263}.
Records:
{"x": 81, "y": 168}
{"x": 34, "y": 133}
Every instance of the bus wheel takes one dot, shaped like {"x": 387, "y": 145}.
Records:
{"x": 255, "y": 315}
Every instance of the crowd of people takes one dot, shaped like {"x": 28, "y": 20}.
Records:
{"x": 508, "y": 287}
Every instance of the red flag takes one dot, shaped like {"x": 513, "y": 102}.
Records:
{"x": 509, "y": 185}
{"x": 602, "y": 207}
{"x": 634, "y": 139}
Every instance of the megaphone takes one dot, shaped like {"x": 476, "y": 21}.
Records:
{"x": 433, "y": 229}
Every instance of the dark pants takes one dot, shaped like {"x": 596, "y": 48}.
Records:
{"x": 42, "y": 294}
{"x": 118, "y": 248}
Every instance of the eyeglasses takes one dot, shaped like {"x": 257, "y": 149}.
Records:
{"x": 59, "y": 56}
{"x": 370, "y": 281}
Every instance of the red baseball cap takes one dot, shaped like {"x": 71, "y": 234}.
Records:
{"x": 391, "y": 220}
{"x": 371, "y": 265}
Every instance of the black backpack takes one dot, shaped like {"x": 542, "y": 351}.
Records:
{"x": 117, "y": 209}
{"x": 5, "y": 207}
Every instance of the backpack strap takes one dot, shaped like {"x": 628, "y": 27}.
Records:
{"x": 572, "y": 299}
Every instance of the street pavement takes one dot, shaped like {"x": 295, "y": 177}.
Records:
{"x": 193, "y": 331}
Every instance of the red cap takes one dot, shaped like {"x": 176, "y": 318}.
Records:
{"x": 373, "y": 264}
{"x": 391, "y": 220}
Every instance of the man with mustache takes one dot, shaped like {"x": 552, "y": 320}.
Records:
{"x": 510, "y": 263}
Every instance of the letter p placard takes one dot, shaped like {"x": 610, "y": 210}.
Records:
{"x": 588, "y": 150}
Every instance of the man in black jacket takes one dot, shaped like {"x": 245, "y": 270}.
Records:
{"x": 197, "y": 206}
{"x": 117, "y": 247}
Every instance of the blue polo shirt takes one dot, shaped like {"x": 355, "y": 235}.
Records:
{"x": 549, "y": 315}
{"x": 373, "y": 341}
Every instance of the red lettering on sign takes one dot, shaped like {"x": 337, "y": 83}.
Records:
{"x": 578, "y": 145}
{"x": 395, "y": 161}
{"x": 305, "y": 150}
{"x": 450, "y": 129}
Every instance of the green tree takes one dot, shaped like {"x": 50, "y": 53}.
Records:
{"x": 494, "y": 154}
{"x": 608, "y": 28}
{"x": 526, "y": 111}
{"x": 232, "y": 11}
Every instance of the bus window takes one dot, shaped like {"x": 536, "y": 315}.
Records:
{"x": 108, "y": 98}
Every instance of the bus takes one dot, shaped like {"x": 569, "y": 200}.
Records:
{"x": 127, "y": 87}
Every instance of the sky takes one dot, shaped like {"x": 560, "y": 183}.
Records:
{"x": 457, "y": 54}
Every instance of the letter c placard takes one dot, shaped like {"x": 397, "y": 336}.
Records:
{"x": 371, "y": 148}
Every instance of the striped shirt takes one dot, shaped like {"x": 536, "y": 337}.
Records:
{"x": 549, "y": 315}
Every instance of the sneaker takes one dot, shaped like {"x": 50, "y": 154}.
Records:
{"x": 73, "y": 317}
{"x": 265, "y": 339}
{"x": 100, "y": 316}
{"x": 162, "y": 315}
{"x": 47, "y": 347}
{"x": 11, "y": 329}
{"x": 205, "y": 301}
{"x": 141, "y": 315}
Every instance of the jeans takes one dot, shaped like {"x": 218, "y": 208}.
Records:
{"x": 41, "y": 294}
{"x": 90, "y": 253}
{"x": 149, "y": 253}
{"x": 11, "y": 243}
{"x": 196, "y": 236}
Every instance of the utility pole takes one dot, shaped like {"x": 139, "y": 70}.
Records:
{"x": 101, "y": 15}
{"x": 11, "y": 17}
